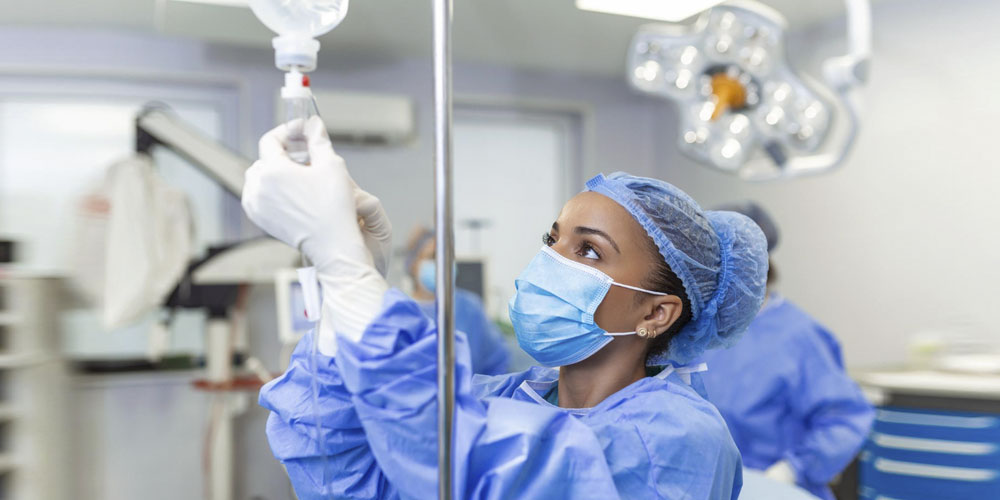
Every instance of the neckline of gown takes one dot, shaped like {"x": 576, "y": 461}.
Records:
{"x": 536, "y": 389}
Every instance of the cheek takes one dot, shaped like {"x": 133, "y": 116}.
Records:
{"x": 618, "y": 311}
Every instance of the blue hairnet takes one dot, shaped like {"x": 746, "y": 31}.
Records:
{"x": 720, "y": 257}
{"x": 759, "y": 216}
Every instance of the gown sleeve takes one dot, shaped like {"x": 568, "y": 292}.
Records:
{"x": 837, "y": 415}
{"x": 308, "y": 401}
{"x": 379, "y": 414}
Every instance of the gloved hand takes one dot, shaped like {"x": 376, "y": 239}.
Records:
{"x": 781, "y": 471}
{"x": 375, "y": 228}
{"x": 313, "y": 208}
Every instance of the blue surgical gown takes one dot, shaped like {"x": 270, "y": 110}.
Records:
{"x": 487, "y": 348}
{"x": 370, "y": 430}
{"x": 784, "y": 394}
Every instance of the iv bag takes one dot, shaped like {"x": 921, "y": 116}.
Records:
{"x": 304, "y": 18}
{"x": 297, "y": 23}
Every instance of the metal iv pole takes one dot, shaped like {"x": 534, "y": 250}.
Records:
{"x": 444, "y": 239}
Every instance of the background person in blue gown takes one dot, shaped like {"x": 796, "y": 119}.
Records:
{"x": 488, "y": 351}
{"x": 783, "y": 391}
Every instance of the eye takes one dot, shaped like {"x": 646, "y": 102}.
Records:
{"x": 588, "y": 252}
{"x": 548, "y": 240}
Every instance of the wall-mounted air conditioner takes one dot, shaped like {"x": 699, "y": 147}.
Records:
{"x": 366, "y": 118}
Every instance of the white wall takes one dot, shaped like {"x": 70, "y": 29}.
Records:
{"x": 492, "y": 155}
{"x": 902, "y": 239}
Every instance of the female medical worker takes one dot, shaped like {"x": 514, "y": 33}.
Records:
{"x": 628, "y": 255}
{"x": 487, "y": 351}
{"x": 782, "y": 389}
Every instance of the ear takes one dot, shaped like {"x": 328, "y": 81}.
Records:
{"x": 663, "y": 311}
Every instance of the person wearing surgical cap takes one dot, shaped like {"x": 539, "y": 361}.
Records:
{"x": 783, "y": 391}
{"x": 633, "y": 282}
{"x": 488, "y": 352}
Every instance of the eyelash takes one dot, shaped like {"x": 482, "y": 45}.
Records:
{"x": 584, "y": 249}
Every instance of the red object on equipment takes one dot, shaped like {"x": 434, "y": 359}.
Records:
{"x": 244, "y": 383}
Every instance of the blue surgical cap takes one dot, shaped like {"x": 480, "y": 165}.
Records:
{"x": 719, "y": 256}
{"x": 413, "y": 251}
{"x": 759, "y": 216}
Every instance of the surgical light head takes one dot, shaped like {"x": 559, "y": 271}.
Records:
{"x": 742, "y": 108}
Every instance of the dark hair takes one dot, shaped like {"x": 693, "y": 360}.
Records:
{"x": 772, "y": 272}
{"x": 663, "y": 279}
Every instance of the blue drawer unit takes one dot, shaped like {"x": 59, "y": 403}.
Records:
{"x": 931, "y": 454}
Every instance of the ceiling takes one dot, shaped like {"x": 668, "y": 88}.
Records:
{"x": 537, "y": 34}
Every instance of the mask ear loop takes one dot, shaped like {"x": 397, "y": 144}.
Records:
{"x": 630, "y": 287}
{"x": 618, "y": 334}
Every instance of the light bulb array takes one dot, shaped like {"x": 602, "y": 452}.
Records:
{"x": 737, "y": 96}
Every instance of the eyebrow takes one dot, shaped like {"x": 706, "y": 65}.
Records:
{"x": 590, "y": 230}
{"x": 597, "y": 232}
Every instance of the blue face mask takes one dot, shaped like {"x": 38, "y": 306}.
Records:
{"x": 427, "y": 274}
{"x": 553, "y": 307}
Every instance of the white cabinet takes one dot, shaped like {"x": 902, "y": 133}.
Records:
{"x": 34, "y": 457}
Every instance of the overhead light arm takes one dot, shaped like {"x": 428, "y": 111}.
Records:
{"x": 844, "y": 74}
{"x": 851, "y": 69}
{"x": 157, "y": 126}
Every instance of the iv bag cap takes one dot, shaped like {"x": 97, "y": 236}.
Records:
{"x": 296, "y": 86}
{"x": 291, "y": 51}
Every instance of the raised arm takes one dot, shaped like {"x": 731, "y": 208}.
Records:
{"x": 315, "y": 432}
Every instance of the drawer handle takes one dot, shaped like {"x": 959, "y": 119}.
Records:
{"x": 934, "y": 471}
{"x": 932, "y": 445}
{"x": 901, "y": 417}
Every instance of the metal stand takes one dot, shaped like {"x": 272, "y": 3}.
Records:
{"x": 219, "y": 365}
{"x": 230, "y": 398}
{"x": 444, "y": 238}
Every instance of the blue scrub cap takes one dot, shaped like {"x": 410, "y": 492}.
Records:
{"x": 719, "y": 256}
{"x": 418, "y": 244}
{"x": 759, "y": 216}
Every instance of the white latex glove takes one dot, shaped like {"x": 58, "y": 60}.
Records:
{"x": 312, "y": 208}
{"x": 781, "y": 471}
{"x": 375, "y": 227}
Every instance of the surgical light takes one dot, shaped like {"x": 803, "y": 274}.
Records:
{"x": 743, "y": 109}
{"x": 661, "y": 10}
